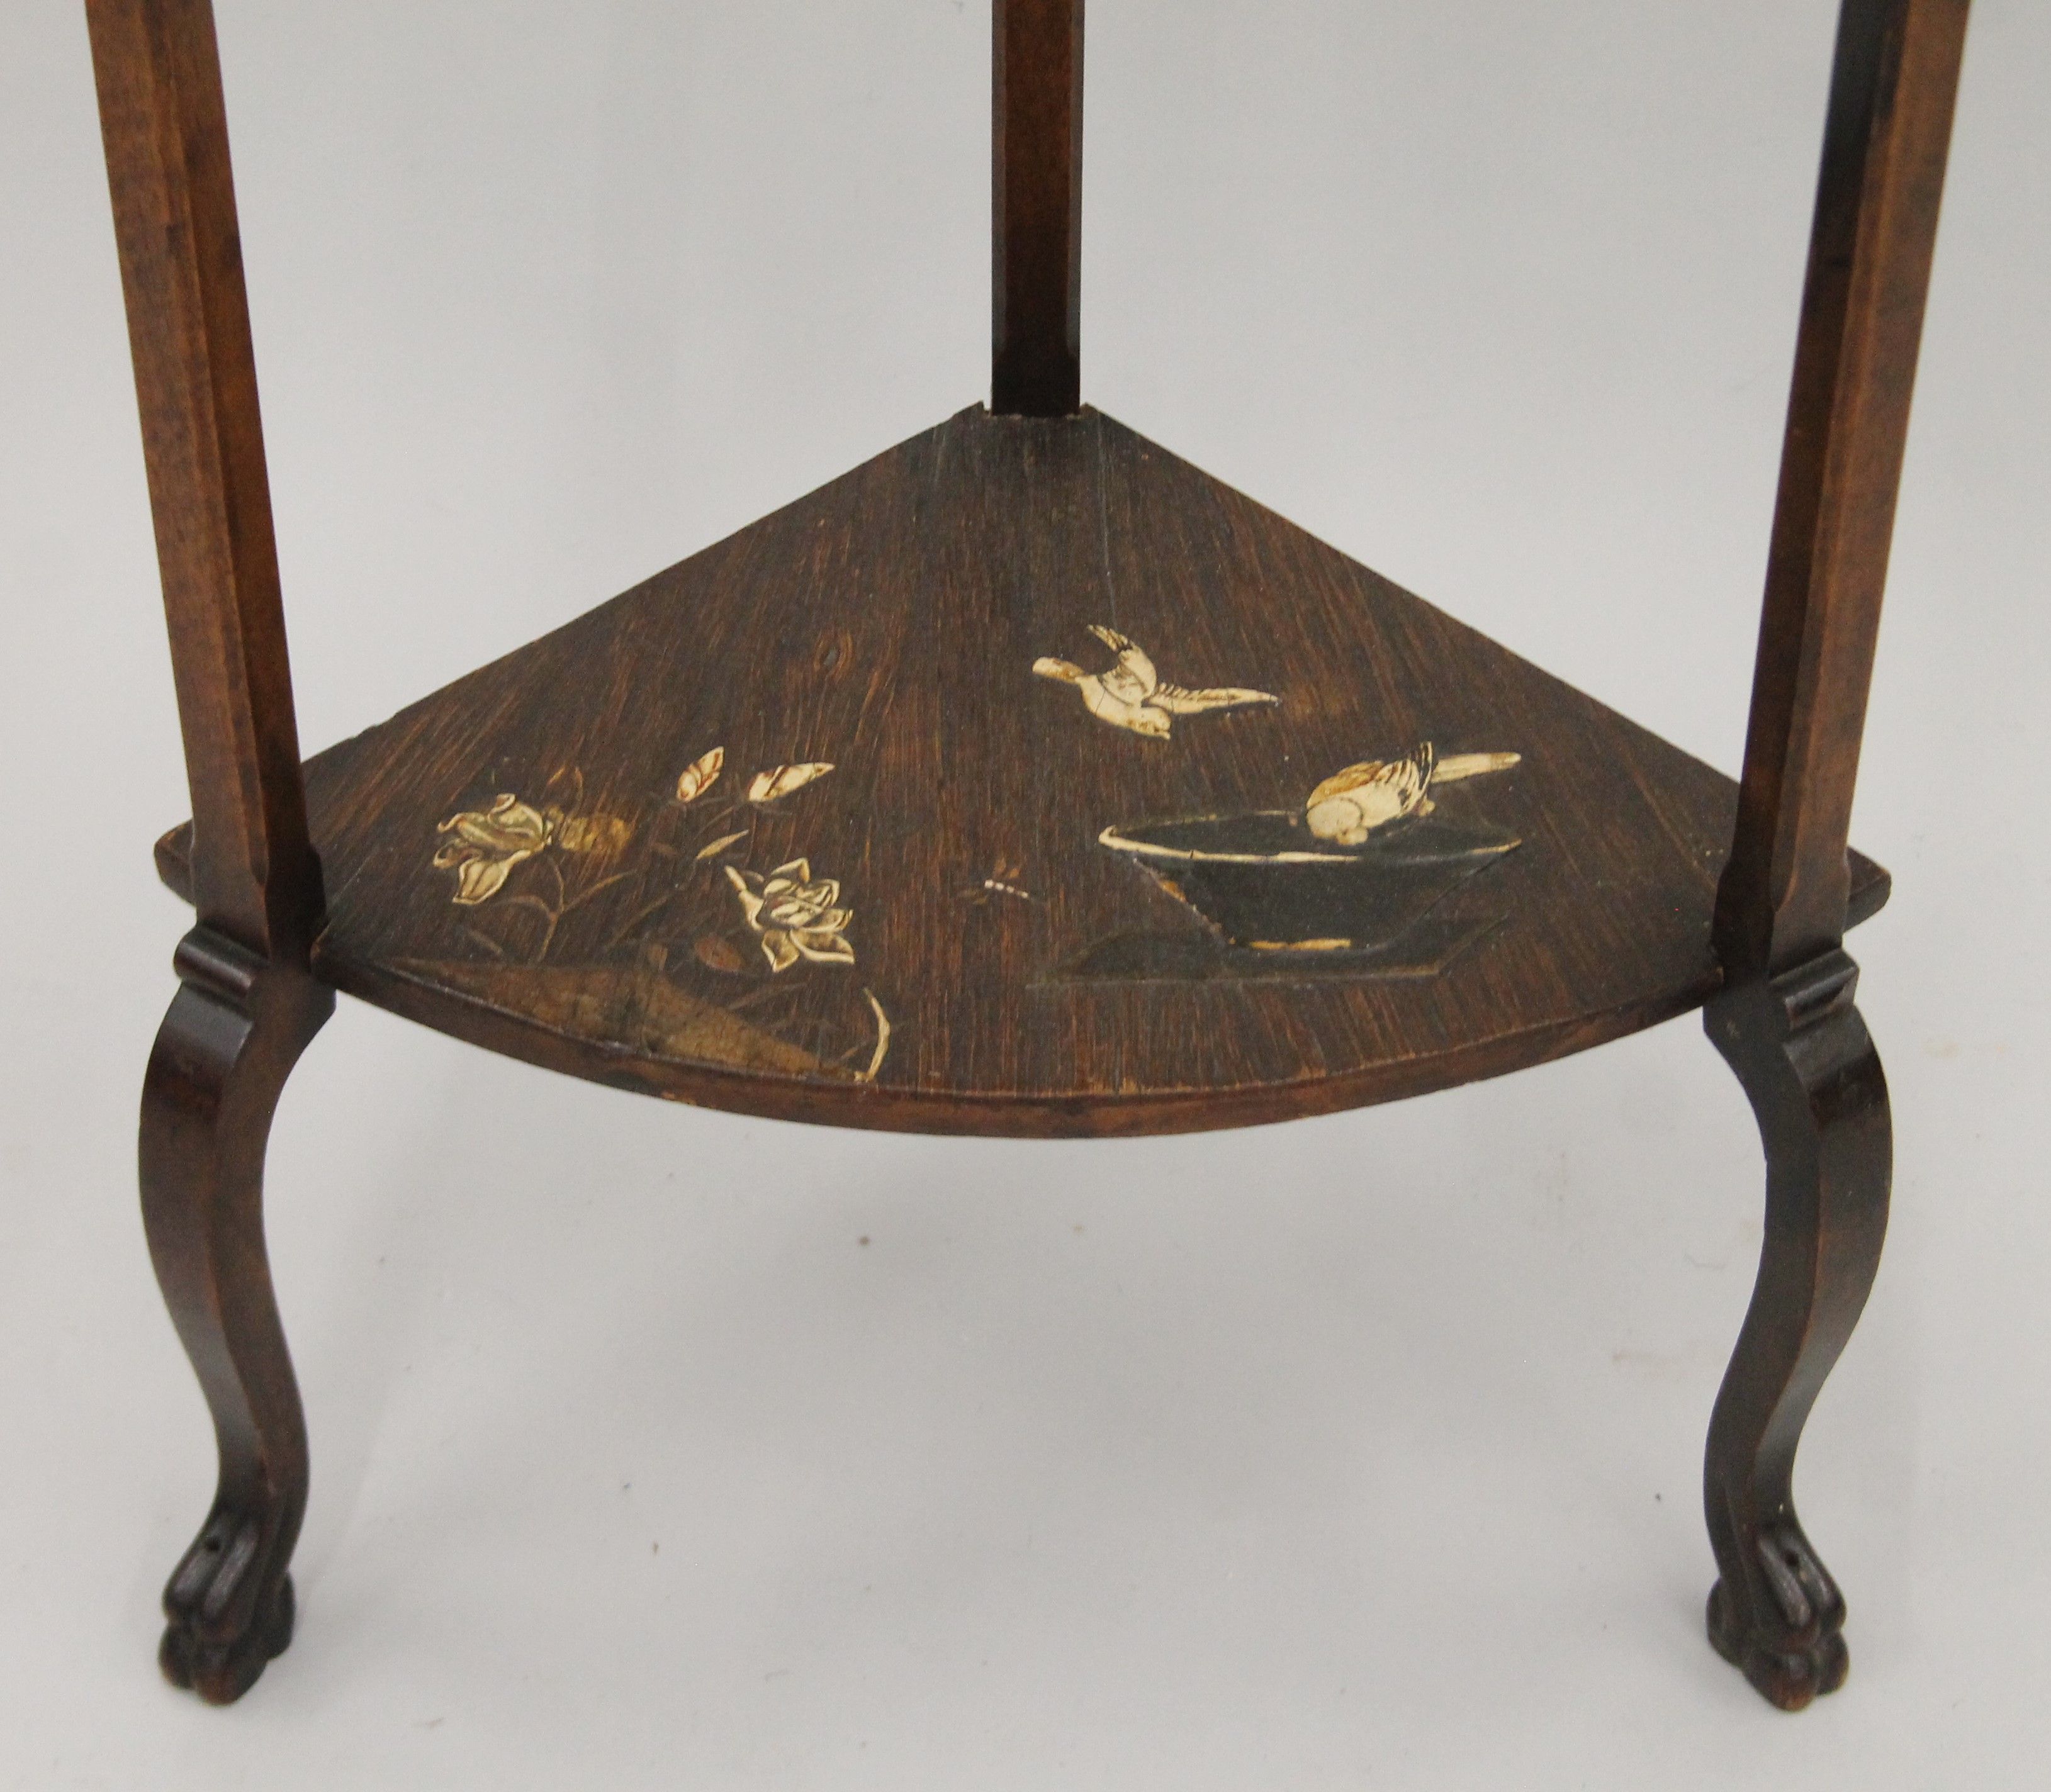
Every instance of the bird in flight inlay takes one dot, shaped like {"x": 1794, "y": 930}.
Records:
{"x": 1130, "y": 694}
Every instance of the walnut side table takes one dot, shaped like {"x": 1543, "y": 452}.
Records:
{"x": 1023, "y": 781}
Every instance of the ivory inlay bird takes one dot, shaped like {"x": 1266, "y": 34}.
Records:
{"x": 1351, "y": 804}
{"x": 1130, "y": 695}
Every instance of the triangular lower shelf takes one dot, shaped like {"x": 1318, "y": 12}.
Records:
{"x": 1002, "y": 978}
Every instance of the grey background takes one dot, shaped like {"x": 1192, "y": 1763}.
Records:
{"x": 1361, "y": 1452}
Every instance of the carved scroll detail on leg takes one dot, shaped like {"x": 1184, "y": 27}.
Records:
{"x": 1804, "y": 1057}
{"x": 234, "y": 1030}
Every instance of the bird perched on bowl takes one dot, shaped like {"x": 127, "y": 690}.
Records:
{"x": 1350, "y": 805}
{"x": 1130, "y": 695}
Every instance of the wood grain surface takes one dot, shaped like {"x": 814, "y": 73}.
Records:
{"x": 165, "y": 128}
{"x": 1785, "y": 1019}
{"x": 1024, "y": 780}
{"x": 888, "y": 624}
{"x": 1798, "y": 1045}
{"x": 1894, "y": 85}
{"x": 1036, "y": 207}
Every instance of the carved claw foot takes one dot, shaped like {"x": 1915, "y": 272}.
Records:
{"x": 231, "y": 1609}
{"x": 1786, "y": 1635}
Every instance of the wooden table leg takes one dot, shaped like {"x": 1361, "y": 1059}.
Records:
{"x": 233, "y": 1033}
{"x": 1803, "y": 1054}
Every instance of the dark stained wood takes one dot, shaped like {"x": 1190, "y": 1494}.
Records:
{"x": 235, "y": 1029}
{"x": 247, "y": 1004}
{"x": 1786, "y": 1021}
{"x": 888, "y": 623}
{"x": 871, "y": 814}
{"x": 1895, "y": 77}
{"x": 1802, "y": 1051}
{"x": 1036, "y": 207}
{"x": 254, "y": 879}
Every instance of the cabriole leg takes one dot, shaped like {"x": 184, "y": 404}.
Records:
{"x": 1804, "y": 1057}
{"x": 235, "y": 1028}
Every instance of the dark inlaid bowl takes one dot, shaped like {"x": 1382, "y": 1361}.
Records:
{"x": 1263, "y": 879}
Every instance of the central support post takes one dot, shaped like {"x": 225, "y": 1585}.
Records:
{"x": 1035, "y": 207}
